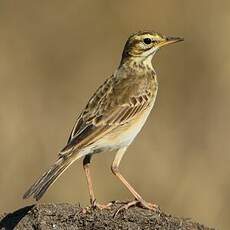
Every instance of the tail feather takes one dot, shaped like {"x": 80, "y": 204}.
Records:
{"x": 38, "y": 189}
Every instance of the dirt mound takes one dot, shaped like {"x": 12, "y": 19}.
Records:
{"x": 68, "y": 216}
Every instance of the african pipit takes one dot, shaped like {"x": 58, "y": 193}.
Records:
{"x": 113, "y": 116}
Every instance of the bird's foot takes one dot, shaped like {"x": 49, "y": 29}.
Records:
{"x": 95, "y": 204}
{"x": 140, "y": 203}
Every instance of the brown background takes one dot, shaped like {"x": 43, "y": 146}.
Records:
{"x": 54, "y": 54}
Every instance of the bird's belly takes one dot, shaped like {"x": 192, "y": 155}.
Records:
{"x": 123, "y": 135}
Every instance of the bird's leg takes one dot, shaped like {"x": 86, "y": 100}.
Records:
{"x": 139, "y": 200}
{"x": 86, "y": 163}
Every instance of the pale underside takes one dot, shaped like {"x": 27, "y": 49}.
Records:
{"x": 114, "y": 115}
{"x": 118, "y": 137}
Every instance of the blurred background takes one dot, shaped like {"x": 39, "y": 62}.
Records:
{"x": 54, "y": 54}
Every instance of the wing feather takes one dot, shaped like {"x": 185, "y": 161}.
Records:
{"x": 106, "y": 111}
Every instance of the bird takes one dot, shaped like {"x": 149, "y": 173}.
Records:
{"x": 113, "y": 116}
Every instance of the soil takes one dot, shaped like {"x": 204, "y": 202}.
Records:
{"x": 69, "y": 216}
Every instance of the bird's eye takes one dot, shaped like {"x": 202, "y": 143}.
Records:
{"x": 147, "y": 41}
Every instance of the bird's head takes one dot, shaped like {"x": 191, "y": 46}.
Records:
{"x": 143, "y": 45}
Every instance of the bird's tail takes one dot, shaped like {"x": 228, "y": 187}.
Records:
{"x": 38, "y": 189}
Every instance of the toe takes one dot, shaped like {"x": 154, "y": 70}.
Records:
{"x": 148, "y": 205}
{"x": 101, "y": 206}
{"x": 126, "y": 206}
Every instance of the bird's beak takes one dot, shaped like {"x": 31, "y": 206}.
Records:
{"x": 170, "y": 40}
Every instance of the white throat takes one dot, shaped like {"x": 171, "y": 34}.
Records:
{"x": 147, "y": 57}
{"x": 147, "y": 61}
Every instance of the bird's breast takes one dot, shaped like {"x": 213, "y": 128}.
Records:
{"x": 124, "y": 134}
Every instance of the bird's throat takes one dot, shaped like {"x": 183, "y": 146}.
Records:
{"x": 139, "y": 64}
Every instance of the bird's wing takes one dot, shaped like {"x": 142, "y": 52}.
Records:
{"x": 115, "y": 103}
